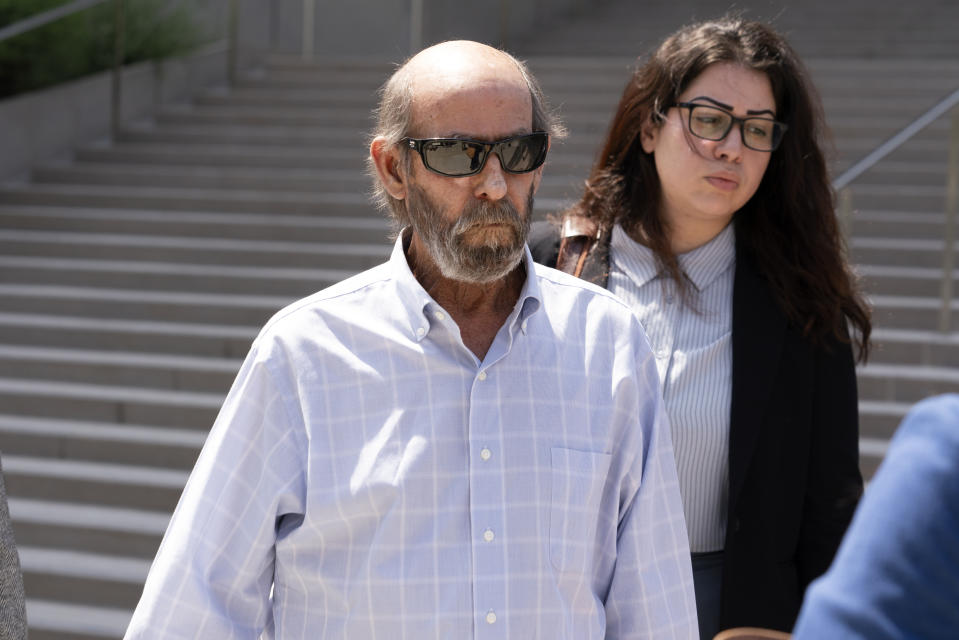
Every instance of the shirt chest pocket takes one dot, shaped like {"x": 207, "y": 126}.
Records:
{"x": 578, "y": 478}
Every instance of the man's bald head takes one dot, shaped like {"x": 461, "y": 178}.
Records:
{"x": 408, "y": 97}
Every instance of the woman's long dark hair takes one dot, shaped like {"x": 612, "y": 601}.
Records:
{"x": 789, "y": 227}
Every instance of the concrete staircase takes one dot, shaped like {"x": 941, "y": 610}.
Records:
{"x": 134, "y": 276}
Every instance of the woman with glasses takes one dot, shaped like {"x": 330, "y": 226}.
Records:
{"x": 709, "y": 211}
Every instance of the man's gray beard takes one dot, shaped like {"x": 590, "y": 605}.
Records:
{"x": 457, "y": 259}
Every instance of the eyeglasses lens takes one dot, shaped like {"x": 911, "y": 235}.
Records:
{"x": 711, "y": 123}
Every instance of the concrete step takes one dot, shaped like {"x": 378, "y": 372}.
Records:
{"x": 192, "y": 132}
{"x": 881, "y": 418}
{"x": 101, "y": 403}
{"x": 282, "y": 78}
{"x": 915, "y": 150}
{"x": 871, "y": 453}
{"x": 905, "y": 383}
{"x": 903, "y": 281}
{"x": 164, "y": 306}
{"x": 911, "y": 346}
{"x": 116, "y": 334}
{"x": 357, "y": 73}
{"x": 224, "y": 155}
{"x": 144, "y": 370}
{"x": 930, "y": 173}
{"x": 887, "y": 223}
{"x": 906, "y": 252}
{"x": 94, "y": 483}
{"x": 199, "y": 224}
{"x": 198, "y": 177}
{"x": 871, "y": 126}
{"x": 317, "y": 95}
{"x": 132, "y": 533}
{"x": 178, "y": 249}
{"x": 90, "y": 579}
{"x": 355, "y": 119}
{"x": 126, "y": 444}
{"x": 50, "y": 620}
{"x": 165, "y": 276}
{"x": 899, "y": 196}
{"x": 912, "y": 312}
{"x": 181, "y": 199}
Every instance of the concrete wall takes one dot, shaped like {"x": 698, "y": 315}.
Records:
{"x": 43, "y": 124}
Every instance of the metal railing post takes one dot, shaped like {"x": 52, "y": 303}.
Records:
{"x": 232, "y": 39}
{"x": 504, "y": 24}
{"x": 416, "y": 26}
{"x": 845, "y": 214}
{"x": 309, "y": 28}
{"x": 952, "y": 204}
{"x": 119, "y": 44}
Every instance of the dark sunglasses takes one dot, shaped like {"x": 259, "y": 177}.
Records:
{"x": 456, "y": 157}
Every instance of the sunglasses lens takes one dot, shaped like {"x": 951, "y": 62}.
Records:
{"x": 524, "y": 153}
{"x": 453, "y": 157}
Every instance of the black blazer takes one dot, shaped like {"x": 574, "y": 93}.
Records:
{"x": 794, "y": 477}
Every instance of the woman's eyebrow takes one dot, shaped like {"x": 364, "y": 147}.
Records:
{"x": 727, "y": 107}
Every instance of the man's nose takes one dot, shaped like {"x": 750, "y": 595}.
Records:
{"x": 491, "y": 183}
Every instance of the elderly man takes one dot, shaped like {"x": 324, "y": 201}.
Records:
{"x": 455, "y": 444}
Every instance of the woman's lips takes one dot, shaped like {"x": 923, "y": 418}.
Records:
{"x": 723, "y": 183}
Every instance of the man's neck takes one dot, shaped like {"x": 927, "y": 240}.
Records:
{"x": 478, "y": 309}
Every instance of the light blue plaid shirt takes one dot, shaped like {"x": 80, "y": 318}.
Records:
{"x": 369, "y": 477}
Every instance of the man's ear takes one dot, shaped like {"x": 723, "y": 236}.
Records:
{"x": 538, "y": 174}
{"x": 387, "y": 159}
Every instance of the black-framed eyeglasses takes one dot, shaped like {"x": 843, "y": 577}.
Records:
{"x": 712, "y": 123}
{"x": 456, "y": 157}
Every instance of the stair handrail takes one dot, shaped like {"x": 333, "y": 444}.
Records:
{"x": 896, "y": 141}
{"x": 41, "y": 19}
{"x": 841, "y": 185}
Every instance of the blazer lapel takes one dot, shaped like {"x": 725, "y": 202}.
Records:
{"x": 758, "y": 327}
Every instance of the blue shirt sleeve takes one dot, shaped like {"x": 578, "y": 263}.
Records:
{"x": 896, "y": 575}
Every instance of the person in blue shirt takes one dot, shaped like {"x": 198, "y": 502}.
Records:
{"x": 896, "y": 575}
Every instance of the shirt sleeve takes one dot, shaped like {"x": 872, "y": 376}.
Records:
{"x": 651, "y": 594}
{"x": 213, "y": 574}
{"x": 897, "y": 571}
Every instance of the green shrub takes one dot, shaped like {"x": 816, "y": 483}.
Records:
{"x": 83, "y": 43}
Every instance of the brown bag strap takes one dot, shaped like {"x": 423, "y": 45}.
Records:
{"x": 577, "y": 237}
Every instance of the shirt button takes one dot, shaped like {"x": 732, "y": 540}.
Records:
{"x": 486, "y": 454}
{"x": 669, "y": 299}
{"x": 440, "y": 316}
{"x": 482, "y": 375}
{"x": 488, "y": 535}
{"x": 421, "y": 332}
{"x": 490, "y": 616}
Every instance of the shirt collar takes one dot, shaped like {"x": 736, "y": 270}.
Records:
{"x": 704, "y": 264}
{"x": 701, "y": 266}
{"x": 417, "y": 303}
